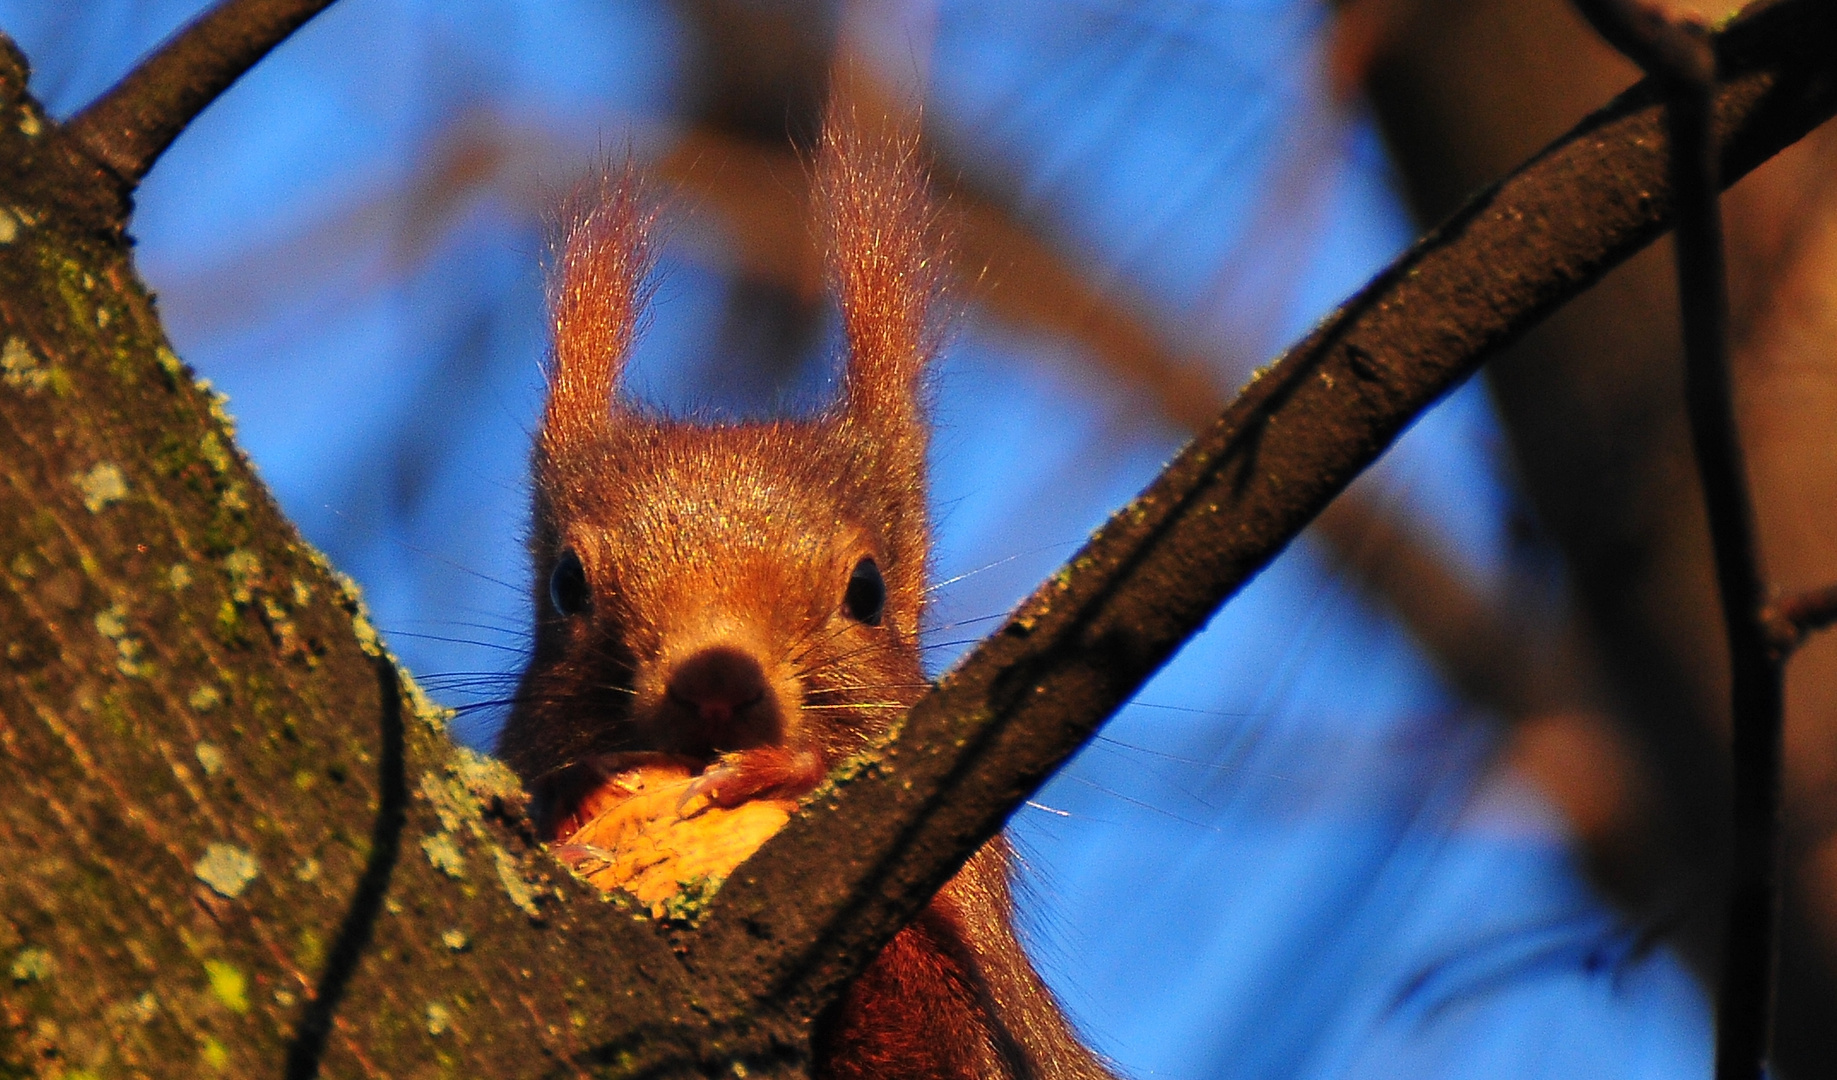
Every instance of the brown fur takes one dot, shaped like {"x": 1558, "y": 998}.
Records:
{"x": 718, "y": 556}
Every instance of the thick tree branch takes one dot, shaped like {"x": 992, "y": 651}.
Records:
{"x": 1016, "y": 707}
{"x": 1679, "y": 57}
{"x": 130, "y": 126}
{"x": 230, "y": 839}
{"x": 1497, "y": 664}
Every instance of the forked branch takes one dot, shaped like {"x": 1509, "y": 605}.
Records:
{"x": 130, "y": 126}
{"x": 1679, "y": 56}
{"x": 1028, "y": 697}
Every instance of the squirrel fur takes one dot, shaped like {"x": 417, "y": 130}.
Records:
{"x": 749, "y": 595}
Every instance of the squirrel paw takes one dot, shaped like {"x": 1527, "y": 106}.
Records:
{"x": 741, "y": 775}
{"x": 564, "y": 799}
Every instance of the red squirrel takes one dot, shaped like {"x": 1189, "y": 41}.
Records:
{"x": 747, "y": 596}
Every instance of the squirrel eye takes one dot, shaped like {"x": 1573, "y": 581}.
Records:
{"x": 568, "y": 585}
{"x": 866, "y": 597}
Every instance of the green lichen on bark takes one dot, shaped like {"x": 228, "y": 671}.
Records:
{"x": 208, "y": 824}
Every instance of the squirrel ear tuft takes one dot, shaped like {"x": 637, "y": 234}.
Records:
{"x": 601, "y": 257}
{"x": 885, "y": 264}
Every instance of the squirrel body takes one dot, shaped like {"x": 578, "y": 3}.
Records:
{"x": 746, "y": 598}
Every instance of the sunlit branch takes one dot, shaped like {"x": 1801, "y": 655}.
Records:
{"x": 1017, "y": 706}
{"x": 130, "y": 126}
{"x": 1500, "y": 665}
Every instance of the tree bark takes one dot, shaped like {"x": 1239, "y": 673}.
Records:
{"x": 235, "y": 838}
{"x": 1593, "y": 405}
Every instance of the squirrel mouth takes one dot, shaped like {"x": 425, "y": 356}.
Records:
{"x": 717, "y": 730}
{"x": 565, "y": 800}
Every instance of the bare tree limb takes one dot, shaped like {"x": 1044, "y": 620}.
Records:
{"x": 1498, "y": 665}
{"x": 130, "y": 126}
{"x": 1679, "y": 55}
{"x": 1017, "y": 706}
{"x": 1503, "y": 667}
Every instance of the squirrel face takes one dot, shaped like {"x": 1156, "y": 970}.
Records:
{"x": 745, "y": 596}
{"x": 706, "y": 592}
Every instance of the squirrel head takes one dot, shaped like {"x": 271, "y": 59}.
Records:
{"x": 708, "y": 589}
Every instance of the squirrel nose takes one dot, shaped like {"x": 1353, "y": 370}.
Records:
{"x": 717, "y": 685}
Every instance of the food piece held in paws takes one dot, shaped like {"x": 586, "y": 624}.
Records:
{"x": 647, "y": 832}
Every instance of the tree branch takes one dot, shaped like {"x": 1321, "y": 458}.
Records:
{"x": 1496, "y": 664}
{"x": 1796, "y": 618}
{"x": 130, "y": 126}
{"x": 1017, "y": 706}
{"x": 227, "y": 829}
{"x": 1679, "y": 56}
{"x": 1677, "y": 52}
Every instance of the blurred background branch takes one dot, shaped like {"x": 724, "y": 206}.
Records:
{"x": 1680, "y": 56}
{"x": 1593, "y": 404}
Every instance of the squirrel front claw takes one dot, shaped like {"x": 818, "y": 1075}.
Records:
{"x": 741, "y": 775}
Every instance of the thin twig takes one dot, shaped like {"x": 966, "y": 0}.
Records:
{"x": 875, "y": 851}
{"x": 130, "y": 126}
{"x": 1794, "y": 619}
{"x": 1680, "y": 56}
{"x": 1675, "y": 51}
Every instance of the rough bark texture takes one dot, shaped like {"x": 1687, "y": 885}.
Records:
{"x": 227, "y": 820}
